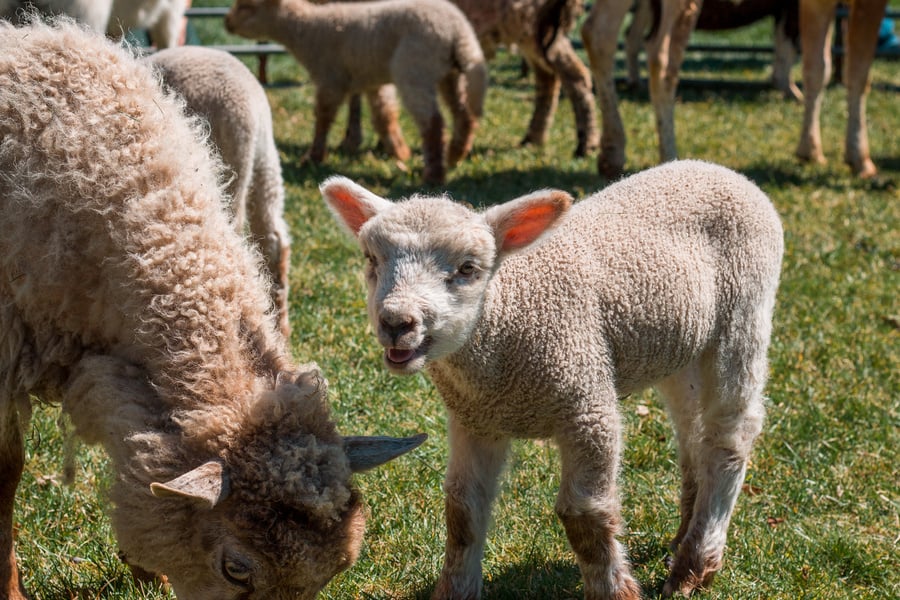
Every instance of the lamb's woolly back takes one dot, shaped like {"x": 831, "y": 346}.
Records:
{"x": 666, "y": 278}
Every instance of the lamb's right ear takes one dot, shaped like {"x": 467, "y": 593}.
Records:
{"x": 351, "y": 204}
{"x": 520, "y": 222}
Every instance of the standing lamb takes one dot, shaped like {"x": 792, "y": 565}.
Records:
{"x": 127, "y": 295}
{"x": 421, "y": 46}
{"x": 667, "y": 278}
{"x": 218, "y": 87}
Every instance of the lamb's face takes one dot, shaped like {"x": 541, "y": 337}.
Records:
{"x": 429, "y": 264}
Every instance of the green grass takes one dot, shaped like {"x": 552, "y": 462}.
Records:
{"x": 820, "y": 515}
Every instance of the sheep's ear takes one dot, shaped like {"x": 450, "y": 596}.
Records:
{"x": 352, "y": 205}
{"x": 208, "y": 484}
{"x": 520, "y": 222}
{"x": 366, "y": 453}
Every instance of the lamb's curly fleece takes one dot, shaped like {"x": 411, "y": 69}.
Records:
{"x": 126, "y": 294}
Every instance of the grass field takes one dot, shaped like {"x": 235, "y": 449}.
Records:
{"x": 820, "y": 516}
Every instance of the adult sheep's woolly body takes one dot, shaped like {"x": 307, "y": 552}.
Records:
{"x": 126, "y": 294}
{"x": 666, "y": 278}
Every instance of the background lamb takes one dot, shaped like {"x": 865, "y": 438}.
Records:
{"x": 162, "y": 18}
{"x": 419, "y": 45}
{"x": 219, "y": 88}
{"x": 667, "y": 278}
{"x": 126, "y": 294}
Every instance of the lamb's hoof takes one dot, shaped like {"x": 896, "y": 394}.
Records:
{"x": 864, "y": 169}
{"x": 806, "y": 153}
{"x": 610, "y": 167}
{"x": 350, "y": 145}
{"x": 531, "y": 140}
{"x": 587, "y": 145}
{"x": 688, "y": 576}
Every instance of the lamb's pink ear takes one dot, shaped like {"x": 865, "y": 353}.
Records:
{"x": 207, "y": 484}
{"x": 351, "y": 204}
{"x": 520, "y": 222}
{"x": 365, "y": 452}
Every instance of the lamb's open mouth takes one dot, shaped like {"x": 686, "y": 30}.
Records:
{"x": 401, "y": 358}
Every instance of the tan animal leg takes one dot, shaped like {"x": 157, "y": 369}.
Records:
{"x": 576, "y": 80}
{"x": 353, "y": 134}
{"x": 386, "y": 122}
{"x": 862, "y": 36}
{"x": 464, "y": 122}
{"x": 815, "y": 36}
{"x": 546, "y": 100}
{"x": 327, "y": 103}
{"x": 665, "y": 53}
{"x": 600, "y": 33}
{"x": 12, "y": 461}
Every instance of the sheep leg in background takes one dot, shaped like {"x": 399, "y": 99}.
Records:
{"x": 729, "y": 384}
{"x": 470, "y": 488}
{"x": 588, "y": 505}
{"x": 815, "y": 34}
{"x": 353, "y": 134}
{"x": 576, "y": 81}
{"x": 641, "y": 19}
{"x": 270, "y": 232}
{"x": 665, "y": 53}
{"x": 420, "y": 99}
{"x": 546, "y": 99}
{"x": 385, "y": 121}
{"x": 453, "y": 92}
{"x": 600, "y": 33}
{"x": 783, "y": 62}
{"x": 862, "y": 36}
{"x": 327, "y": 103}
{"x": 12, "y": 461}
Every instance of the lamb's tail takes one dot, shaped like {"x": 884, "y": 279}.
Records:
{"x": 471, "y": 62}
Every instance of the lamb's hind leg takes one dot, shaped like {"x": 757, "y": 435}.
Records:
{"x": 464, "y": 122}
{"x": 386, "y": 121}
{"x": 470, "y": 488}
{"x": 588, "y": 504}
{"x": 420, "y": 99}
{"x": 730, "y": 417}
{"x": 12, "y": 461}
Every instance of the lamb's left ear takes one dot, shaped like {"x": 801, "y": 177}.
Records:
{"x": 365, "y": 452}
{"x": 207, "y": 483}
{"x": 520, "y": 222}
{"x": 352, "y": 205}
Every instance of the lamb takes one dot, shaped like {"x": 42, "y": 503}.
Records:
{"x": 218, "y": 87}
{"x": 161, "y": 17}
{"x": 418, "y": 45}
{"x": 127, "y": 296}
{"x": 667, "y": 277}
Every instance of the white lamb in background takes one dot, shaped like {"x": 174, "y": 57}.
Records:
{"x": 421, "y": 46}
{"x": 222, "y": 90}
{"x": 667, "y": 278}
{"x": 127, "y": 295}
{"x": 162, "y": 18}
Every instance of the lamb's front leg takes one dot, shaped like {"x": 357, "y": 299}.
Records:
{"x": 327, "y": 104}
{"x": 588, "y": 505}
{"x": 470, "y": 488}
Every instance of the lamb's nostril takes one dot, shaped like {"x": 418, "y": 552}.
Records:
{"x": 395, "y": 327}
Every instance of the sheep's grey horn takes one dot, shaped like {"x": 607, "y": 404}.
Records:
{"x": 208, "y": 484}
{"x": 368, "y": 452}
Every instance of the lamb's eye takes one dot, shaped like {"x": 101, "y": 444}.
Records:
{"x": 236, "y": 572}
{"x": 467, "y": 269}
{"x": 373, "y": 262}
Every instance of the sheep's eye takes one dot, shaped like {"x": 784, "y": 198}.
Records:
{"x": 373, "y": 262}
{"x": 236, "y": 572}
{"x": 467, "y": 269}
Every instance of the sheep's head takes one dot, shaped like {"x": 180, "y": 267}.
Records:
{"x": 251, "y": 18}
{"x": 265, "y": 507}
{"x": 431, "y": 260}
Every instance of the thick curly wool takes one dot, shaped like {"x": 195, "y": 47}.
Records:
{"x": 127, "y": 294}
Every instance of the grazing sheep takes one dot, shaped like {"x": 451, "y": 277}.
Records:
{"x": 816, "y": 18}
{"x": 218, "y": 87}
{"x": 667, "y": 278}
{"x": 127, "y": 295}
{"x": 418, "y": 45}
{"x": 718, "y": 15}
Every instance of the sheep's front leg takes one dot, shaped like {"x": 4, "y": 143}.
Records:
{"x": 576, "y": 80}
{"x": 12, "y": 461}
{"x": 546, "y": 100}
{"x": 815, "y": 37}
{"x": 588, "y": 505}
{"x": 470, "y": 488}
{"x": 386, "y": 121}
